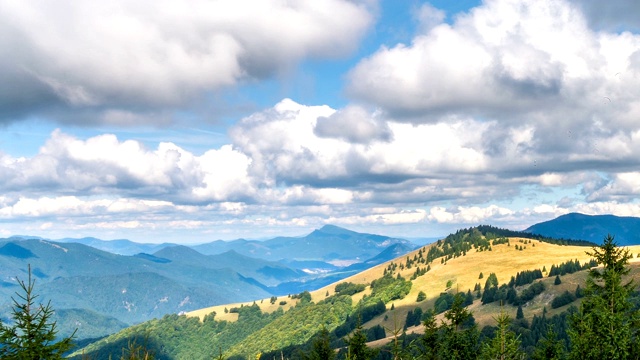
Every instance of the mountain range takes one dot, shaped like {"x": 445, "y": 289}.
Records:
{"x": 101, "y": 286}
{"x": 594, "y": 228}
{"x": 99, "y": 291}
{"x": 541, "y": 278}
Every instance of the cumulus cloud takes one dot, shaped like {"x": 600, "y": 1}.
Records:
{"x": 429, "y": 17}
{"x": 285, "y": 147}
{"x": 508, "y": 60}
{"x": 106, "y": 165}
{"x": 516, "y": 112}
{"x": 137, "y": 56}
{"x": 353, "y": 124}
{"x": 613, "y": 15}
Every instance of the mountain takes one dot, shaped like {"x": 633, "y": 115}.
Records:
{"x": 330, "y": 277}
{"x": 331, "y": 244}
{"x": 268, "y": 273}
{"x": 124, "y": 282}
{"x": 591, "y": 228}
{"x": 385, "y": 301}
{"x": 121, "y": 289}
{"x": 120, "y": 246}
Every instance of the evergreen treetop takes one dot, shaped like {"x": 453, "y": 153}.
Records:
{"x": 33, "y": 333}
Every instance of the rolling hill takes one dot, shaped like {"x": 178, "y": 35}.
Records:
{"x": 455, "y": 264}
{"x": 591, "y": 228}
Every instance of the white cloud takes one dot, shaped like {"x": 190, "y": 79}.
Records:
{"x": 126, "y": 55}
{"x": 105, "y": 165}
{"x": 511, "y": 60}
{"x": 429, "y": 17}
{"x": 469, "y": 215}
{"x": 353, "y": 124}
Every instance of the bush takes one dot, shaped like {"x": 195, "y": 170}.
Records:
{"x": 443, "y": 303}
{"x": 421, "y": 296}
{"x": 348, "y": 288}
{"x": 562, "y": 300}
{"x": 529, "y": 293}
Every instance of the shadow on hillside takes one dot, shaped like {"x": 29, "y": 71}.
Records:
{"x": 129, "y": 348}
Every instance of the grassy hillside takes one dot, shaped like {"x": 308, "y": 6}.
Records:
{"x": 277, "y": 322}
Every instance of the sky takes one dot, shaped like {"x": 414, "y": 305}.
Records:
{"x": 195, "y": 120}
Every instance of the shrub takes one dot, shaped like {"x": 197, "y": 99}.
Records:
{"x": 561, "y": 300}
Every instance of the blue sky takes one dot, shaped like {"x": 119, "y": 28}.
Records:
{"x": 193, "y": 121}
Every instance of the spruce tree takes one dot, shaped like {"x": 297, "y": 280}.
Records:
{"x": 505, "y": 344}
{"x": 549, "y": 347}
{"x": 430, "y": 340}
{"x": 458, "y": 339}
{"x": 602, "y": 329}
{"x": 322, "y": 347}
{"x": 357, "y": 345}
{"x": 32, "y": 334}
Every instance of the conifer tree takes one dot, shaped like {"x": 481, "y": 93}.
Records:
{"x": 458, "y": 340}
{"x": 322, "y": 347}
{"x": 430, "y": 338}
{"x": 557, "y": 281}
{"x": 602, "y": 329}
{"x": 357, "y": 345}
{"x": 32, "y": 334}
{"x": 505, "y": 345}
{"x": 549, "y": 347}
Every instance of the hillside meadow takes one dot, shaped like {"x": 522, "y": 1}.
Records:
{"x": 289, "y": 321}
{"x": 463, "y": 274}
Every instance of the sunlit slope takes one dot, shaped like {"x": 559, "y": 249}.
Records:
{"x": 462, "y": 272}
{"x": 282, "y": 323}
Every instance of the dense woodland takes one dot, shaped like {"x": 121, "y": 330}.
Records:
{"x": 604, "y": 326}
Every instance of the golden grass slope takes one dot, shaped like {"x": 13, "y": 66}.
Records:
{"x": 462, "y": 272}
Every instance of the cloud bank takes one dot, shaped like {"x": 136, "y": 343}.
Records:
{"x": 121, "y": 61}
{"x": 512, "y": 113}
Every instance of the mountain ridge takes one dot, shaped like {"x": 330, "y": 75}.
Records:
{"x": 591, "y": 227}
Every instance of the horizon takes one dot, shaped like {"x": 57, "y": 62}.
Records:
{"x": 192, "y": 120}
{"x": 416, "y": 240}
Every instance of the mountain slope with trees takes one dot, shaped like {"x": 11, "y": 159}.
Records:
{"x": 442, "y": 280}
{"x": 123, "y": 290}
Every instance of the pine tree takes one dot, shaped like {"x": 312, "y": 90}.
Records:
{"x": 602, "y": 329}
{"x": 33, "y": 333}
{"x": 458, "y": 340}
{"x": 430, "y": 338}
{"x": 557, "y": 281}
{"x": 322, "y": 347}
{"x": 519, "y": 313}
{"x": 549, "y": 347}
{"x": 505, "y": 345}
{"x": 357, "y": 345}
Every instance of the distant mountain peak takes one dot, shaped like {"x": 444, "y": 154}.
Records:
{"x": 594, "y": 228}
{"x": 334, "y": 229}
